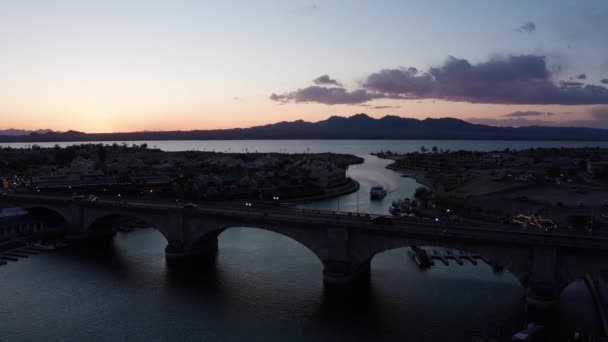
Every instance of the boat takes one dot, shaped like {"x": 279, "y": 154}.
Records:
{"x": 43, "y": 246}
{"x": 399, "y": 207}
{"x": 421, "y": 257}
{"x": 528, "y": 334}
{"x": 377, "y": 192}
{"x": 125, "y": 229}
{"x": 395, "y": 208}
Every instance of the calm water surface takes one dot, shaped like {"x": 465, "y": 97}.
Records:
{"x": 264, "y": 286}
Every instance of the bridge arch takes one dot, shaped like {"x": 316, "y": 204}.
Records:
{"x": 54, "y": 217}
{"x": 101, "y": 222}
{"x": 517, "y": 263}
{"x": 206, "y": 240}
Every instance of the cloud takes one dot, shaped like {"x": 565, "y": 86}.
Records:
{"x": 581, "y": 77}
{"x": 511, "y": 122}
{"x": 326, "y": 95}
{"x": 385, "y": 107}
{"x": 604, "y": 81}
{"x": 513, "y": 79}
{"x": 598, "y": 118}
{"x": 312, "y": 8}
{"x": 521, "y": 114}
{"x": 600, "y": 114}
{"x": 527, "y": 27}
{"x": 326, "y": 80}
{"x": 571, "y": 84}
{"x": 399, "y": 81}
{"x": 523, "y": 79}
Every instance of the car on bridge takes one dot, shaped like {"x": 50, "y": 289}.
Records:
{"x": 383, "y": 220}
{"x": 87, "y": 198}
{"x": 191, "y": 206}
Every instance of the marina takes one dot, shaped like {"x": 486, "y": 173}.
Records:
{"x": 425, "y": 257}
{"x": 28, "y": 251}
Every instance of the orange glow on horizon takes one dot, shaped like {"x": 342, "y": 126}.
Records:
{"x": 247, "y": 113}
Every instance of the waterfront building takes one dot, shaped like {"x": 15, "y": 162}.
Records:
{"x": 17, "y": 222}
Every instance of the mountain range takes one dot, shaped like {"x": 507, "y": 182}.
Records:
{"x": 360, "y": 126}
{"x": 14, "y": 132}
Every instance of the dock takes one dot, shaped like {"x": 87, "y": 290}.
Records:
{"x": 460, "y": 257}
{"x": 20, "y": 253}
{"x": 16, "y": 254}
{"x": 438, "y": 256}
{"x": 9, "y": 258}
{"x": 27, "y": 251}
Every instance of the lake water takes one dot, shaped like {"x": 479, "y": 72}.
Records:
{"x": 358, "y": 147}
{"x": 267, "y": 287}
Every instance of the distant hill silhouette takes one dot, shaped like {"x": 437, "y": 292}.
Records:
{"x": 12, "y": 131}
{"x": 359, "y": 126}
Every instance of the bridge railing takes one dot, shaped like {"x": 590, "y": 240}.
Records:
{"x": 409, "y": 224}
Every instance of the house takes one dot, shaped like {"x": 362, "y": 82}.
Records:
{"x": 597, "y": 168}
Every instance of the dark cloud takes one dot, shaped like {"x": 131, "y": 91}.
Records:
{"x": 521, "y": 114}
{"x": 511, "y": 122}
{"x": 571, "y": 84}
{"x": 325, "y": 95}
{"x": 604, "y": 81}
{"x": 326, "y": 80}
{"x": 598, "y": 118}
{"x": 521, "y": 79}
{"x": 527, "y": 27}
{"x": 399, "y": 81}
{"x": 386, "y": 107}
{"x": 581, "y": 77}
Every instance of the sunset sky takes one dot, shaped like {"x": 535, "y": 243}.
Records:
{"x": 107, "y": 66}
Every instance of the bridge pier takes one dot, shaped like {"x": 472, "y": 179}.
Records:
{"x": 177, "y": 252}
{"x": 541, "y": 300}
{"x": 543, "y": 291}
{"x": 337, "y": 273}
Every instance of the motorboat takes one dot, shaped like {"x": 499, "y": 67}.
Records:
{"x": 377, "y": 192}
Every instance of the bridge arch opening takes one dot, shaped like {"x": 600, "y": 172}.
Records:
{"x": 54, "y": 221}
{"x": 108, "y": 225}
{"x": 443, "y": 257}
{"x": 265, "y": 249}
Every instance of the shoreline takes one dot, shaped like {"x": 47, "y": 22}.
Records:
{"x": 410, "y": 174}
{"x": 349, "y": 188}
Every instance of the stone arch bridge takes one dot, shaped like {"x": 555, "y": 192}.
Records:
{"x": 544, "y": 263}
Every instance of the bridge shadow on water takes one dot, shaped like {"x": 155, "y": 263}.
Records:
{"x": 263, "y": 277}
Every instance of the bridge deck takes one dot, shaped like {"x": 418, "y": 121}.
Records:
{"x": 413, "y": 227}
